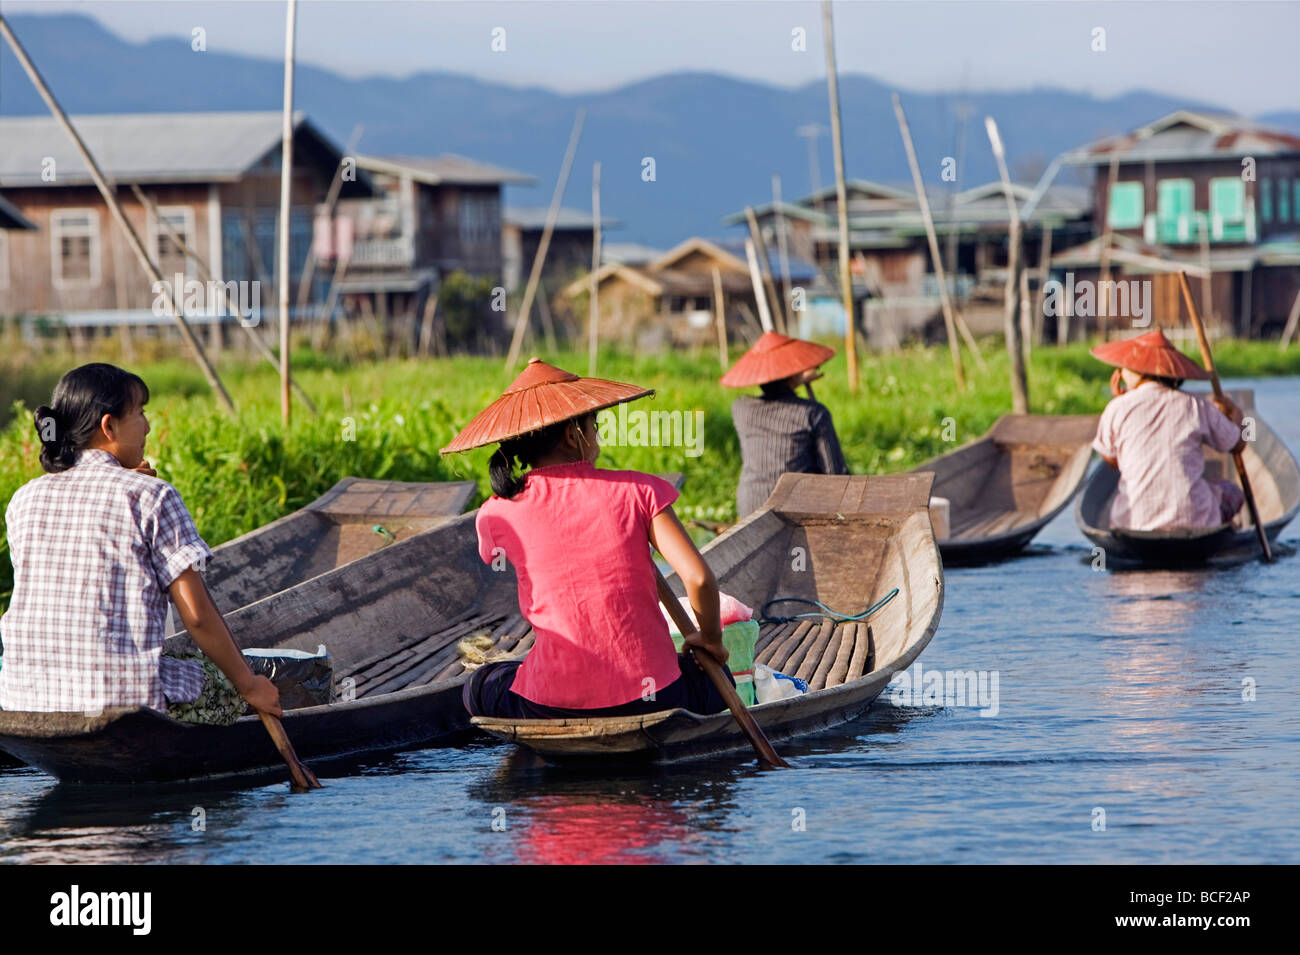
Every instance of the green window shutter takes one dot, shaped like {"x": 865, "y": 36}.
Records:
{"x": 1228, "y": 198}
{"x": 1266, "y": 200}
{"x": 1126, "y": 206}
{"x": 1173, "y": 198}
{"x": 1284, "y": 200}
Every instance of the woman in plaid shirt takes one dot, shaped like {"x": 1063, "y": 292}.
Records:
{"x": 98, "y": 545}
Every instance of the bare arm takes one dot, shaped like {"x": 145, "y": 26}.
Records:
{"x": 676, "y": 546}
{"x": 208, "y": 630}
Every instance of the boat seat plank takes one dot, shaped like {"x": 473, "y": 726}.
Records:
{"x": 862, "y": 653}
{"x": 840, "y": 668}
{"x": 828, "y": 658}
{"x": 777, "y": 653}
{"x": 808, "y": 666}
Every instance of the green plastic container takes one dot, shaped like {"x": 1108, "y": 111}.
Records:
{"x": 739, "y": 639}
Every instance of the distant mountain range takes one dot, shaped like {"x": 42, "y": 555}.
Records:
{"x": 716, "y": 140}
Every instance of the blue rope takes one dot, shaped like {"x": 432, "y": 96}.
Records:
{"x": 823, "y": 611}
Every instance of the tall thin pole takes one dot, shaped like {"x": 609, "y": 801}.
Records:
{"x": 115, "y": 209}
{"x": 783, "y": 252}
{"x": 841, "y": 193}
{"x": 1019, "y": 383}
{"x": 286, "y": 182}
{"x": 521, "y": 323}
{"x": 949, "y": 323}
{"x": 764, "y": 269}
{"x": 720, "y": 317}
{"x": 755, "y": 276}
{"x": 593, "y": 315}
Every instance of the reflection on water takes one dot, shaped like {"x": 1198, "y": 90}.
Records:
{"x": 1153, "y": 601}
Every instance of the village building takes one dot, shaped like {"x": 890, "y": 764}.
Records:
{"x": 433, "y": 216}
{"x": 895, "y": 288}
{"x": 214, "y": 178}
{"x": 1216, "y": 196}
{"x": 671, "y": 299}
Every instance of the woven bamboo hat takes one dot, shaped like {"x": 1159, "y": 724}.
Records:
{"x": 1150, "y": 354}
{"x": 542, "y": 395}
{"x": 774, "y": 357}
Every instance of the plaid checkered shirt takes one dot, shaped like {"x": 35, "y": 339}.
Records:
{"x": 94, "y": 550}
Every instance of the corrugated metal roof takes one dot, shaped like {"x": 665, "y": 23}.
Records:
{"x": 144, "y": 147}
{"x": 534, "y": 218}
{"x": 1188, "y": 135}
{"x": 627, "y": 253}
{"x": 11, "y": 218}
{"x": 447, "y": 169}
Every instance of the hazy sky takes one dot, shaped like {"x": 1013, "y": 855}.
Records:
{"x": 1244, "y": 56}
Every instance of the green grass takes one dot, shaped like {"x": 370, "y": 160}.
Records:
{"x": 388, "y": 419}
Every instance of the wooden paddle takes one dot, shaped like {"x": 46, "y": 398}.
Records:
{"x": 1208, "y": 360}
{"x": 303, "y": 778}
{"x": 753, "y": 732}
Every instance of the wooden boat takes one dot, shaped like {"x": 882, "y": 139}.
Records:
{"x": 356, "y": 517}
{"x": 844, "y": 540}
{"x": 1006, "y": 486}
{"x": 1274, "y": 478}
{"x": 390, "y": 620}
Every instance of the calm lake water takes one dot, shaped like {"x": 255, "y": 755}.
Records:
{"x": 1118, "y": 692}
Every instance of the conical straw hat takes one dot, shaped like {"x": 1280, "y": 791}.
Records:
{"x": 1150, "y": 354}
{"x": 542, "y": 395}
{"x": 774, "y": 357}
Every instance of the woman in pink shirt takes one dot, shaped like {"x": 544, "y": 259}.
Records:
{"x": 579, "y": 540}
{"x": 1153, "y": 433}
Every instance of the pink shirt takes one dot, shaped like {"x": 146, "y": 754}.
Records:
{"x": 1156, "y": 434}
{"x": 578, "y": 538}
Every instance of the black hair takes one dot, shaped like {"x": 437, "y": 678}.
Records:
{"x": 526, "y": 450}
{"x": 1174, "y": 383}
{"x": 777, "y": 389}
{"x": 81, "y": 399}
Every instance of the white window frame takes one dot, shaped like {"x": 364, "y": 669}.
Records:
{"x": 57, "y": 232}
{"x": 157, "y": 235}
{"x": 4, "y": 259}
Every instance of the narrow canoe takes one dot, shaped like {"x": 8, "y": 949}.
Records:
{"x": 391, "y": 621}
{"x": 1274, "y": 478}
{"x": 333, "y": 530}
{"x": 844, "y": 540}
{"x": 1006, "y": 486}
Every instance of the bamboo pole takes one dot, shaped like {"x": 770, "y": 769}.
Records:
{"x": 1292, "y": 320}
{"x": 1026, "y": 319}
{"x": 759, "y": 298}
{"x": 521, "y": 322}
{"x": 765, "y": 270}
{"x": 426, "y": 324}
{"x": 1106, "y": 239}
{"x": 719, "y": 305}
{"x": 949, "y": 320}
{"x": 286, "y": 184}
{"x": 783, "y": 252}
{"x": 115, "y": 209}
{"x": 206, "y": 275}
{"x": 331, "y": 200}
{"x": 1207, "y": 359}
{"x": 841, "y": 194}
{"x": 1044, "y": 272}
{"x": 1019, "y": 382}
{"x": 593, "y": 305}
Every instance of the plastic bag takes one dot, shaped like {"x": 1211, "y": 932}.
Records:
{"x": 303, "y": 679}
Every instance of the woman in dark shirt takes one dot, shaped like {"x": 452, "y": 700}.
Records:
{"x": 779, "y": 431}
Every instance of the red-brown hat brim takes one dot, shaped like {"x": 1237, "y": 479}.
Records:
{"x": 1150, "y": 354}
{"x": 540, "y": 397}
{"x": 775, "y": 357}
